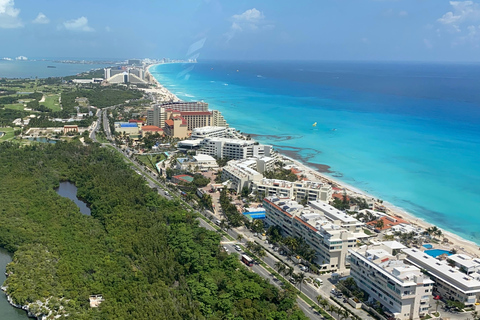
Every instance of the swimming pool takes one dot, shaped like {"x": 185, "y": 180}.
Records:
{"x": 436, "y": 252}
{"x": 427, "y": 246}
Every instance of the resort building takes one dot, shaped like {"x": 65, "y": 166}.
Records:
{"x": 126, "y": 128}
{"x": 402, "y": 289}
{"x": 176, "y": 127}
{"x": 151, "y": 130}
{"x": 298, "y": 190}
{"x": 233, "y": 148}
{"x": 199, "y": 162}
{"x": 70, "y": 128}
{"x": 345, "y": 220}
{"x": 242, "y": 173}
{"x": 215, "y": 132}
{"x": 451, "y": 279}
{"x": 156, "y": 116}
{"x": 124, "y": 75}
{"x": 326, "y": 236}
{"x": 185, "y": 106}
{"x": 196, "y": 119}
{"x": 218, "y": 119}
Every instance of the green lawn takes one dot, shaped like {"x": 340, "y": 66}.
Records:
{"x": 145, "y": 160}
{"x": 8, "y": 133}
{"x": 51, "y": 102}
{"x": 15, "y": 106}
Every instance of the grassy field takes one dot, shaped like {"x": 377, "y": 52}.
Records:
{"x": 8, "y": 133}
{"x": 145, "y": 160}
{"x": 51, "y": 102}
{"x": 15, "y": 106}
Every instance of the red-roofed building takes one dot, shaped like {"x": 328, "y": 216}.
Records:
{"x": 388, "y": 222}
{"x": 135, "y": 121}
{"x": 151, "y": 130}
{"x": 176, "y": 127}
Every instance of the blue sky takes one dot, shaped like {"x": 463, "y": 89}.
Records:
{"x": 419, "y": 30}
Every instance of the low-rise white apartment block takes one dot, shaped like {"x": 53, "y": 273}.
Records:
{"x": 401, "y": 288}
{"x": 215, "y": 132}
{"x": 298, "y": 190}
{"x": 240, "y": 174}
{"x": 330, "y": 241}
{"x": 233, "y": 148}
{"x": 346, "y": 221}
{"x": 450, "y": 282}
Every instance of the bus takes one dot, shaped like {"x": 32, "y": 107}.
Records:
{"x": 247, "y": 260}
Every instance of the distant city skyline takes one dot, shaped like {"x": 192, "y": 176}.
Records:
{"x": 377, "y": 30}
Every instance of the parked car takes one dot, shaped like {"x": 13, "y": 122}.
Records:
{"x": 225, "y": 248}
{"x": 237, "y": 247}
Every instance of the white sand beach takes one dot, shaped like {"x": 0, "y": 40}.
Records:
{"x": 162, "y": 93}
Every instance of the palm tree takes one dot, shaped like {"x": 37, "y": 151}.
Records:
{"x": 332, "y": 309}
{"x": 380, "y": 224}
{"x": 280, "y": 266}
{"x": 289, "y": 272}
{"x": 323, "y": 302}
{"x": 438, "y": 233}
{"x": 239, "y": 238}
{"x": 250, "y": 245}
{"x": 301, "y": 279}
{"x": 344, "y": 313}
{"x": 261, "y": 253}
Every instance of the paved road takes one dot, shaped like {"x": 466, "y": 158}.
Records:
{"x": 97, "y": 125}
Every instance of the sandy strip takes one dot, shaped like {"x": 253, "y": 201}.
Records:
{"x": 163, "y": 94}
{"x": 455, "y": 241}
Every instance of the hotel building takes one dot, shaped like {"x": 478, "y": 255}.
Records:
{"x": 215, "y": 132}
{"x": 298, "y": 190}
{"x": 242, "y": 173}
{"x": 402, "y": 289}
{"x": 233, "y": 148}
{"x": 451, "y": 279}
{"x": 325, "y": 235}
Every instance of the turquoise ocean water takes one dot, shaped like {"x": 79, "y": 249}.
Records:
{"x": 407, "y": 133}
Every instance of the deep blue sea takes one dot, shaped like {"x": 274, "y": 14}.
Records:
{"x": 32, "y": 69}
{"x": 407, "y": 133}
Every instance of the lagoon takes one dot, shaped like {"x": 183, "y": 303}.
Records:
{"x": 7, "y": 311}
{"x": 69, "y": 190}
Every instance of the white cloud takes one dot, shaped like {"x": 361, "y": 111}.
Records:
{"x": 462, "y": 11}
{"x": 250, "y": 20}
{"x": 403, "y": 13}
{"x": 250, "y": 15}
{"x": 80, "y": 24}
{"x": 41, "y": 19}
{"x": 9, "y": 18}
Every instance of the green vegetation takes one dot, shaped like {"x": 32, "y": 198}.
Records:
{"x": 100, "y": 97}
{"x": 235, "y": 218}
{"x": 9, "y": 133}
{"x": 281, "y": 174}
{"x": 147, "y": 256}
{"x": 51, "y": 102}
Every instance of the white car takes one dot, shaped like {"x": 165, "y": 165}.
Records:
{"x": 225, "y": 248}
{"x": 237, "y": 247}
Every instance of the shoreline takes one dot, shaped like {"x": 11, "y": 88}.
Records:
{"x": 159, "y": 89}
{"x": 320, "y": 172}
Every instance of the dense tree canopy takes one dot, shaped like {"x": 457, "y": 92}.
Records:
{"x": 147, "y": 256}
